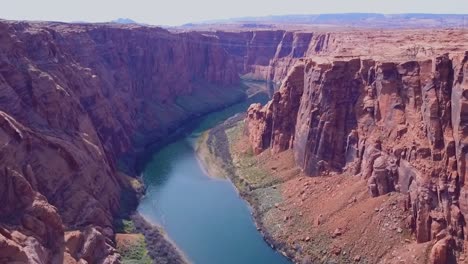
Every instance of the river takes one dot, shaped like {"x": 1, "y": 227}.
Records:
{"x": 203, "y": 215}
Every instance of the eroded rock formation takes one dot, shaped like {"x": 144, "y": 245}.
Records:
{"x": 400, "y": 126}
{"x": 75, "y": 98}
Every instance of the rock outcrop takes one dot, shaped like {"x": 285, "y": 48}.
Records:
{"x": 73, "y": 100}
{"x": 400, "y": 126}
{"x": 284, "y": 106}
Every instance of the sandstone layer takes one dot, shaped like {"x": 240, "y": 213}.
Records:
{"x": 74, "y": 99}
{"x": 269, "y": 54}
{"x": 399, "y": 126}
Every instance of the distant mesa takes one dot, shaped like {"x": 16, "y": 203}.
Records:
{"x": 124, "y": 21}
{"x": 366, "y": 20}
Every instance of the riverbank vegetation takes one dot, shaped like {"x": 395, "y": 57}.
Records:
{"x": 139, "y": 241}
{"x": 132, "y": 248}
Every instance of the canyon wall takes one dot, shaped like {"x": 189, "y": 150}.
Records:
{"x": 270, "y": 54}
{"x": 400, "y": 126}
{"x": 75, "y": 98}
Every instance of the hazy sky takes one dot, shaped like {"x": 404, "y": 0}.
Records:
{"x": 176, "y": 12}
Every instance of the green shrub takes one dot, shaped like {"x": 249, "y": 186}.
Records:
{"x": 124, "y": 226}
{"x": 135, "y": 253}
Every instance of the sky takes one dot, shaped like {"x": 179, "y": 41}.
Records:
{"x": 177, "y": 12}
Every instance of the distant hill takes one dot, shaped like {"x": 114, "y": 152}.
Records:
{"x": 371, "y": 20}
{"x": 124, "y": 21}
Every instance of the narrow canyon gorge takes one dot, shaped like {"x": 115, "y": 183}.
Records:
{"x": 380, "y": 112}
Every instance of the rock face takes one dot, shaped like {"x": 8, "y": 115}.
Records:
{"x": 75, "y": 98}
{"x": 284, "y": 106}
{"x": 400, "y": 126}
{"x": 270, "y": 54}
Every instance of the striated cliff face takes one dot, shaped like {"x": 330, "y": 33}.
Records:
{"x": 75, "y": 98}
{"x": 270, "y": 54}
{"x": 285, "y": 104}
{"x": 399, "y": 126}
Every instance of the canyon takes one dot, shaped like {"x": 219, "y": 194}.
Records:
{"x": 76, "y": 101}
{"x": 80, "y": 102}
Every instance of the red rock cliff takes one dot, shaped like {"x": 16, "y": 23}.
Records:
{"x": 74, "y": 98}
{"x": 270, "y": 54}
{"x": 400, "y": 126}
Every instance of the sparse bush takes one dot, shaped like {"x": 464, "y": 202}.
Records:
{"x": 135, "y": 253}
{"x": 124, "y": 226}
